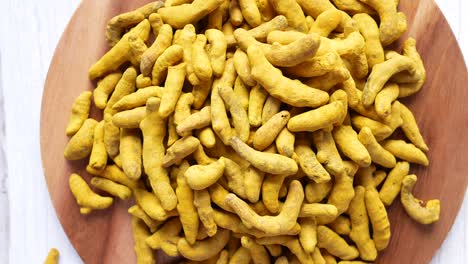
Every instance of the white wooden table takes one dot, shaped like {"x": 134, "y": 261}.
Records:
{"x": 29, "y": 32}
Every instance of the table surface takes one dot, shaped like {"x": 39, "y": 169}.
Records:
{"x": 29, "y": 32}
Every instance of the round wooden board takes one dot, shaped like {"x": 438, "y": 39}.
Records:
{"x": 441, "y": 109}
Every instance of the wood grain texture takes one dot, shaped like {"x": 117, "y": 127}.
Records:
{"x": 441, "y": 110}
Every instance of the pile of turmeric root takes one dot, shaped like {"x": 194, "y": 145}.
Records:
{"x": 254, "y": 131}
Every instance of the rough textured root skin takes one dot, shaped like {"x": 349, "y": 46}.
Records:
{"x": 253, "y": 181}
{"x": 241, "y": 256}
{"x": 261, "y": 32}
{"x": 200, "y": 60}
{"x": 316, "y": 192}
{"x": 204, "y": 249}
{"x": 326, "y": 22}
{"x": 285, "y": 220}
{"x": 219, "y": 118}
{"x": 197, "y": 120}
{"x": 98, "y": 157}
{"x": 270, "y": 192}
{"x": 179, "y": 150}
{"x": 185, "y": 206}
{"x": 156, "y": 23}
{"x": 241, "y": 63}
{"x": 406, "y": 151}
{"x": 295, "y": 52}
{"x": 200, "y": 177}
{"x": 293, "y": 12}
{"x": 172, "y": 89}
{"x": 200, "y": 92}
{"x": 411, "y": 129}
{"x": 285, "y": 143}
{"x": 267, "y": 162}
{"x": 308, "y": 234}
{"x": 392, "y": 184}
{"x": 238, "y": 113}
{"x": 118, "y": 54}
{"x": 129, "y": 118}
{"x": 327, "y": 153}
{"x": 143, "y": 81}
{"x": 305, "y": 156}
{"x": 150, "y": 223}
{"x": 137, "y": 48}
{"x": 392, "y": 24}
{"x": 318, "y": 118}
{"x": 292, "y": 92}
{"x": 347, "y": 141}
{"x": 316, "y": 66}
{"x": 377, "y": 153}
{"x": 257, "y": 98}
{"x": 153, "y": 128}
{"x": 385, "y": 98}
{"x": 104, "y": 88}
{"x": 379, "y": 130}
{"x": 169, "y": 57}
{"x": 85, "y": 197}
{"x": 52, "y": 257}
{"x": 271, "y": 107}
{"x": 268, "y": 132}
{"x": 168, "y": 230}
{"x": 217, "y": 50}
{"x": 162, "y": 42}
{"x": 258, "y": 252}
{"x": 79, "y": 113}
{"x": 81, "y": 144}
{"x": 111, "y": 136}
{"x": 181, "y": 15}
{"x": 125, "y": 86}
{"x": 381, "y": 73}
{"x": 342, "y": 192}
{"x": 250, "y": 12}
{"x": 370, "y": 31}
{"x": 360, "y": 226}
{"x": 138, "y": 98}
{"x": 115, "y": 189}
{"x": 334, "y": 244}
{"x": 423, "y": 215}
{"x": 378, "y": 218}
{"x": 183, "y": 108}
{"x": 130, "y": 152}
{"x": 234, "y": 176}
{"x": 202, "y": 202}
{"x": 143, "y": 252}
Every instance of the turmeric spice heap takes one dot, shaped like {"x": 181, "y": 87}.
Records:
{"x": 254, "y": 130}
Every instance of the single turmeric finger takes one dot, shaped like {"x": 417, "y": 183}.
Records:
{"x": 267, "y": 133}
{"x": 79, "y": 113}
{"x": 253, "y": 181}
{"x": 378, "y": 218}
{"x": 104, "y": 88}
{"x": 267, "y": 162}
{"x": 169, "y": 57}
{"x": 250, "y": 12}
{"x": 179, "y": 150}
{"x": 204, "y": 249}
{"x": 115, "y": 189}
{"x": 169, "y": 229}
{"x": 202, "y": 202}
{"x": 406, "y": 151}
{"x": 257, "y": 252}
{"x": 327, "y": 153}
{"x": 293, "y": 12}
{"x": 295, "y": 52}
{"x": 52, "y": 257}
{"x": 187, "y": 211}
{"x": 243, "y": 68}
{"x": 125, "y": 86}
{"x": 370, "y": 31}
{"x": 129, "y": 118}
{"x": 200, "y": 60}
{"x": 200, "y": 177}
{"x": 378, "y": 129}
{"x": 326, "y": 22}
{"x": 81, "y": 144}
{"x": 130, "y": 152}
{"x": 143, "y": 251}
{"x": 318, "y": 118}
{"x": 411, "y": 129}
{"x": 180, "y": 15}
{"x": 308, "y": 162}
{"x": 347, "y": 141}
{"x": 377, "y": 153}
{"x": 238, "y": 113}
{"x": 424, "y": 215}
{"x": 143, "y": 81}
{"x": 98, "y": 157}
{"x": 392, "y": 184}
{"x": 85, "y": 197}
{"x": 316, "y": 192}
{"x": 270, "y": 192}
{"x": 150, "y": 223}
{"x": 334, "y": 244}
{"x": 308, "y": 234}
{"x": 257, "y": 98}
{"x": 217, "y": 50}
{"x": 138, "y": 98}
{"x": 385, "y": 98}
{"x": 319, "y": 65}
{"x": 172, "y": 89}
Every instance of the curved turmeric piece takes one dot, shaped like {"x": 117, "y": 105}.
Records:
{"x": 104, "y": 88}
{"x": 378, "y": 218}
{"x": 125, "y": 86}
{"x": 293, "y": 13}
{"x": 347, "y": 141}
{"x": 85, "y": 197}
{"x": 172, "y": 89}
{"x": 239, "y": 116}
{"x": 204, "y": 249}
{"x": 268, "y": 132}
{"x": 385, "y": 98}
{"x": 250, "y": 12}
{"x": 292, "y": 92}
{"x": 406, "y": 151}
{"x": 98, "y": 157}
{"x": 143, "y": 251}
{"x": 411, "y": 83}
{"x": 334, "y": 244}
{"x": 305, "y": 156}
{"x": 281, "y": 223}
{"x": 202, "y": 202}
{"x": 52, "y": 257}
{"x": 258, "y": 252}
{"x": 200, "y": 177}
{"x": 130, "y": 152}
{"x": 377, "y": 153}
{"x": 411, "y": 129}
{"x": 277, "y": 23}
{"x": 138, "y": 98}
{"x": 267, "y": 162}
{"x": 217, "y": 50}
{"x": 370, "y": 31}
{"x": 179, "y": 150}
{"x": 424, "y": 215}
{"x": 292, "y": 243}
{"x": 181, "y": 15}
{"x": 79, "y": 113}
{"x": 295, "y": 52}
{"x": 115, "y": 189}
{"x": 162, "y": 42}
{"x": 327, "y": 153}
{"x": 316, "y": 192}
{"x": 81, "y": 144}
{"x": 326, "y": 22}
{"x": 319, "y": 118}
{"x": 185, "y": 206}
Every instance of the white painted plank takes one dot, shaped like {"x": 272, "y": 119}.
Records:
{"x": 4, "y": 205}
{"x": 30, "y": 31}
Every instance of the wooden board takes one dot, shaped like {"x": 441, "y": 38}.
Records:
{"x": 441, "y": 109}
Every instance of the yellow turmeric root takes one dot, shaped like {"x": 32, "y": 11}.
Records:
{"x": 52, "y": 257}
{"x": 85, "y": 197}
{"x": 181, "y": 15}
{"x": 200, "y": 177}
{"x": 406, "y": 151}
{"x": 81, "y": 144}
{"x": 378, "y": 218}
{"x": 334, "y": 244}
{"x": 104, "y": 88}
{"x": 80, "y": 112}
{"x": 179, "y": 150}
{"x": 143, "y": 251}
{"x": 347, "y": 141}
{"x": 205, "y": 249}
{"x": 172, "y": 89}
{"x": 187, "y": 211}
{"x": 424, "y": 215}
{"x": 115, "y": 189}
{"x": 162, "y": 42}
{"x": 130, "y": 152}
